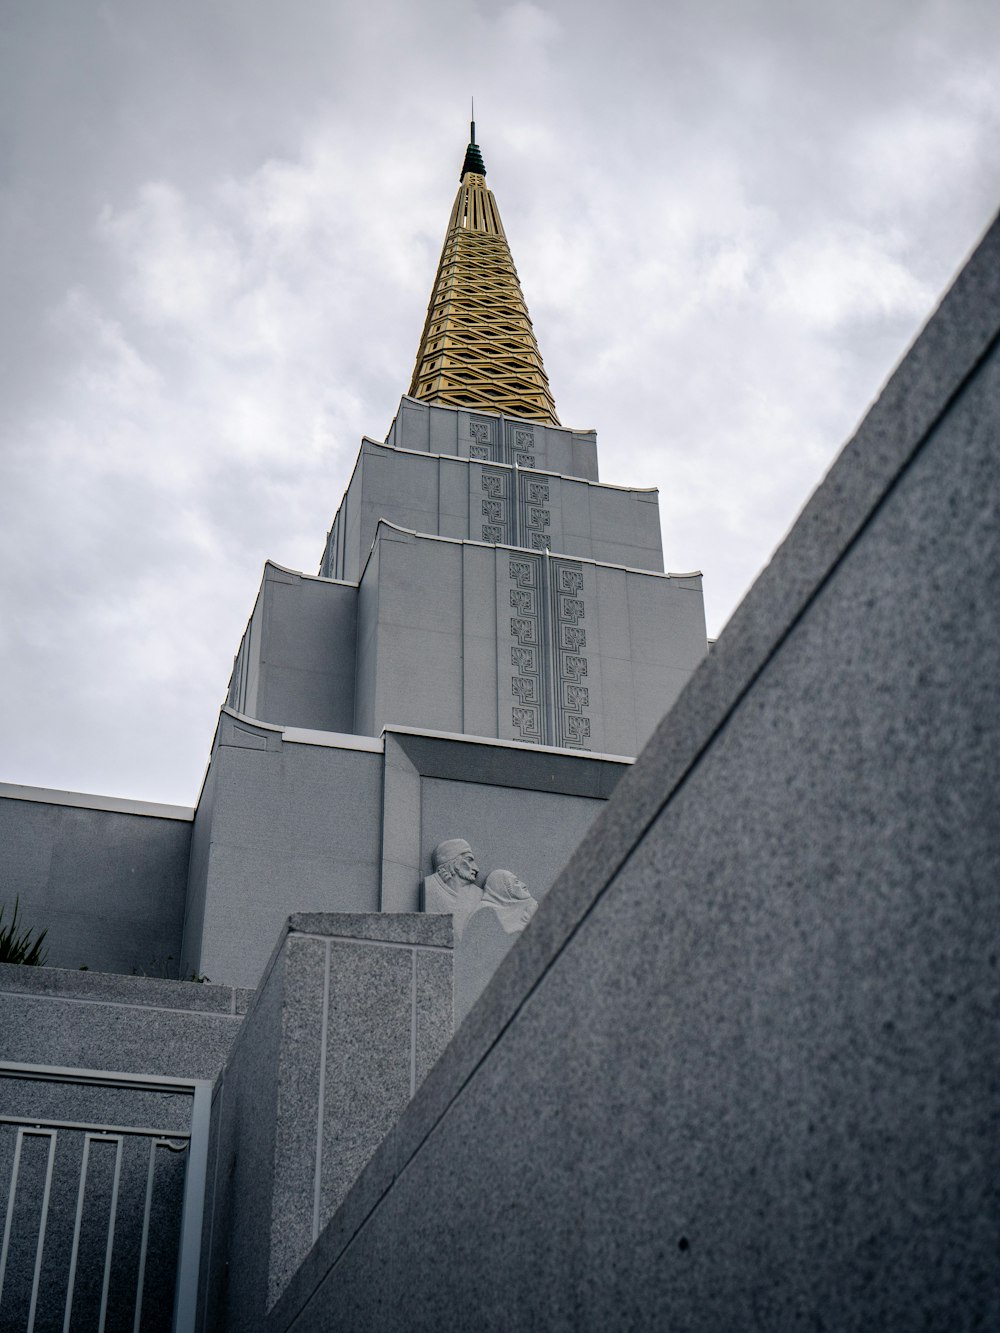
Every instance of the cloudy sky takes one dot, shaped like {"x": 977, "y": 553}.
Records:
{"x": 220, "y": 223}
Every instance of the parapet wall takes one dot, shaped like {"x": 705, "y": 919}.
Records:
{"x": 141, "y": 1025}
{"x": 352, "y": 1011}
{"x": 106, "y": 877}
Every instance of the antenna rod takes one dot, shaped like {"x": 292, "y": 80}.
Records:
{"x": 472, "y": 132}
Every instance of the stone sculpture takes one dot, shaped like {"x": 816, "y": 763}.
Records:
{"x": 453, "y": 886}
{"x": 505, "y": 908}
{"x": 510, "y": 899}
{"x": 487, "y": 919}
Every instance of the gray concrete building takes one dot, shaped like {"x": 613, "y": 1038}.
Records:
{"x": 489, "y": 641}
{"x": 502, "y": 1029}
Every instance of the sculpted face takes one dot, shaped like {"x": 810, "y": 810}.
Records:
{"x": 454, "y": 860}
{"x": 504, "y": 886}
{"x": 465, "y": 867}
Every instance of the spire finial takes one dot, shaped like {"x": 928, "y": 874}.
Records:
{"x": 478, "y": 350}
{"x": 473, "y": 157}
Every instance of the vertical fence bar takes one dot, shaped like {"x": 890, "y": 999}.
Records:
{"x": 112, "y": 1216}
{"x": 189, "y": 1256}
{"x": 154, "y": 1143}
{"x": 15, "y": 1168}
{"x": 49, "y": 1134}
{"x": 75, "y": 1252}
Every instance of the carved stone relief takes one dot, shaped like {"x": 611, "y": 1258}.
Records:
{"x": 535, "y": 516}
{"x": 496, "y": 507}
{"x": 487, "y": 920}
{"x": 519, "y": 446}
{"x": 483, "y": 446}
{"x": 452, "y": 886}
{"x": 509, "y": 898}
{"x": 525, "y": 654}
{"x": 573, "y": 725}
{"x": 548, "y": 638}
{"x": 517, "y": 507}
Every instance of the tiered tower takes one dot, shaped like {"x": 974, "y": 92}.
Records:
{"x": 490, "y": 638}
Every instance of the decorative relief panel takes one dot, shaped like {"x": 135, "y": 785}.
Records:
{"x": 524, "y": 516}
{"x": 499, "y": 441}
{"x": 550, "y": 694}
{"x": 483, "y": 446}
{"x": 534, "y": 495}
{"x": 519, "y": 446}
{"x": 496, "y": 507}
{"x": 525, "y": 653}
{"x": 572, "y": 725}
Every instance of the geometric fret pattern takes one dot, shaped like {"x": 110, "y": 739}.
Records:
{"x": 550, "y": 701}
{"x": 478, "y": 348}
{"x": 514, "y": 509}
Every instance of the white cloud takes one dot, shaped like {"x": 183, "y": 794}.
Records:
{"x": 843, "y": 275}
{"x": 728, "y": 221}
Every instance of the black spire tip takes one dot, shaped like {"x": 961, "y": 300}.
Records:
{"x": 473, "y": 157}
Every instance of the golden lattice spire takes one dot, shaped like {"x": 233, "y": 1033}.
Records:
{"x": 478, "y": 348}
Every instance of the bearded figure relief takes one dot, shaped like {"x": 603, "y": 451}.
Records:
{"x": 487, "y": 918}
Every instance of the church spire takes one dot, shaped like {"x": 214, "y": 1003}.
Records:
{"x": 478, "y": 348}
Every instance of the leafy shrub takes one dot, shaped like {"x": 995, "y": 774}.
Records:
{"x": 18, "y": 946}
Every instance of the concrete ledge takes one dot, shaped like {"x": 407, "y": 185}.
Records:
{"x": 646, "y": 492}
{"x": 692, "y": 576}
{"x": 86, "y": 801}
{"x": 141, "y": 1025}
{"x": 108, "y": 988}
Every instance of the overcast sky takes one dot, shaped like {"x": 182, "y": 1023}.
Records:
{"x": 220, "y": 224}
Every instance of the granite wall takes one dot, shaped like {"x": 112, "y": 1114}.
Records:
{"x": 350, "y": 1015}
{"x": 106, "y": 877}
{"x": 743, "y": 1068}
{"x": 140, "y": 1025}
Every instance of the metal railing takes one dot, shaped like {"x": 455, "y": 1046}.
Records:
{"x": 101, "y": 1196}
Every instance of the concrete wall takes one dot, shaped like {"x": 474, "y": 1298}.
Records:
{"x": 348, "y": 1019}
{"x": 458, "y": 637}
{"x": 522, "y": 809}
{"x": 290, "y": 819}
{"x": 106, "y": 877}
{"x": 742, "y": 1068}
{"x": 295, "y": 666}
{"x": 496, "y": 502}
{"x": 282, "y": 824}
{"x": 449, "y": 430}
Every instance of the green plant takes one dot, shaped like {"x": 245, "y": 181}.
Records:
{"x": 158, "y": 968}
{"x": 18, "y": 946}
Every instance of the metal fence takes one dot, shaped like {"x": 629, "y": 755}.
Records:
{"x": 105, "y": 1178}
